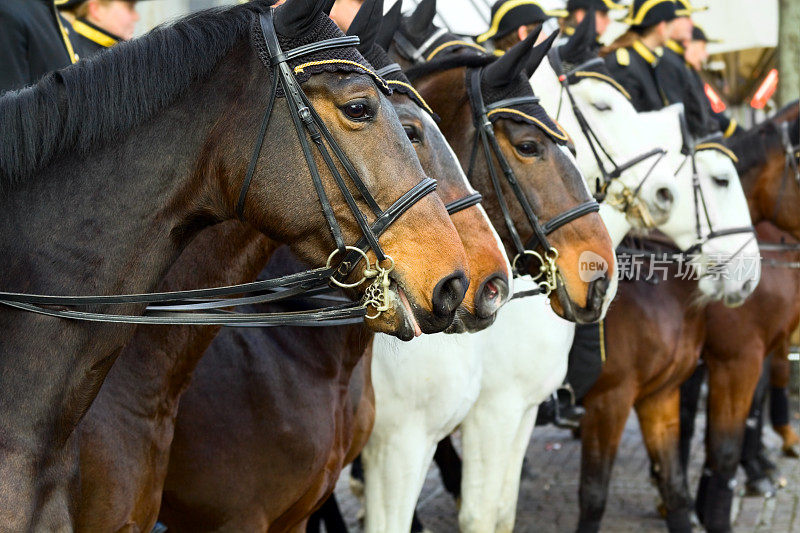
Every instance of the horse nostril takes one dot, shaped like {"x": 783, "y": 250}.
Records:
{"x": 490, "y": 296}
{"x": 664, "y": 198}
{"x": 449, "y": 293}
{"x": 597, "y": 291}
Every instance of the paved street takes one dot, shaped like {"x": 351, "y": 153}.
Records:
{"x": 549, "y": 492}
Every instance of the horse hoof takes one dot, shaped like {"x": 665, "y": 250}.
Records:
{"x": 762, "y": 487}
{"x": 792, "y": 451}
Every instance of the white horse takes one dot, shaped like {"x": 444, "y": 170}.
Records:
{"x": 490, "y": 383}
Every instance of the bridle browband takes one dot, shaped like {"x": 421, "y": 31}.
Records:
{"x": 629, "y": 202}
{"x": 416, "y": 54}
{"x": 207, "y": 306}
{"x": 486, "y": 138}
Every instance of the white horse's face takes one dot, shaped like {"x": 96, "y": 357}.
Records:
{"x": 729, "y": 266}
{"x": 624, "y": 134}
{"x": 732, "y": 261}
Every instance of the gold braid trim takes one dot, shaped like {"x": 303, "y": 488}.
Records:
{"x": 414, "y": 91}
{"x": 719, "y": 148}
{"x": 558, "y": 135}
{"x": 301, "y": 68}
{"x": 603, "y": 77}
{"x": 448, "y": 44}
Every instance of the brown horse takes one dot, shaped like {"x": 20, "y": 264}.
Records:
{"x": 737, "y": 342}
{"x": 126, "y": 435}
{"x": 248, "y": 385}
{"x": 647, "y": 359}
{"x": 771, "y": 185}
{"x": 642, "y": 371}
{"x": 103, "y": 191}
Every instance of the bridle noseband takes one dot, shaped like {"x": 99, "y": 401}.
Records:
{"x": 486, "y": 138}
{"x": 628, "y": 200}
{"x": 206, "y": 306}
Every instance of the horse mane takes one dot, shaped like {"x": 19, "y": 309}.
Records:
{"x": 753, "y": 146}
{"x": 83, "y": 106}
{"x": 448, "y": 62}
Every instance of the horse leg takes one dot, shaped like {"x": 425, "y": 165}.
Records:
{"x": 394, "y": 471}
{"x": 601, "y": 431}
{"x": 758, "y": 480}
{"x": 732, "y": 381}
{"x": 449, "y": 463}
{"x": 780, "y": 371}
{"x": 330, "y": 515}
{"x": 659, "y": 418}
{"x": 494, "y": 437}
{"x": 690, "y": 397}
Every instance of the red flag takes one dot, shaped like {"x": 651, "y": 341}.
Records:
{"x": 765, "y": 92}
{"x": 716, "y": 102}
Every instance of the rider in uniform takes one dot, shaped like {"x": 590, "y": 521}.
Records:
{"x": 511, "y": 22}
{"x": 632, "y": 59}
{"x": 98, "y": 24}
{"x": 577, "y": 9}
{"x": 696, "y": 55}
{"x": 677, "y": 79}
{"x": 33, "y": 42}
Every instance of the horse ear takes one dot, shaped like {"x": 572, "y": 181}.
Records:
{"x": 422, "y": 17}
{"x": 584, "y": 36}
{"x": 391, "y": 21}
{"x": 506, "y": 69}
{"x": 538, "y": 54}
{"x": 366, "y": 23}
{"x": 295, "y": 17}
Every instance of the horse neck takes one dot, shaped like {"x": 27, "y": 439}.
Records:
{"x": 112, "y": 222}
{"x": 156, "y": 366}
{"x": 150, "y": 191}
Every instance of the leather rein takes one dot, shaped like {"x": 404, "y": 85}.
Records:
{"x": 208, "y": 306}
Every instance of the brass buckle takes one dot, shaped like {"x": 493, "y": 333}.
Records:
{"x": 377, "y": 293}
{"x": 548, "y": 271}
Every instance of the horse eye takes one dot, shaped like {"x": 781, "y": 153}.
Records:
{"x": 357, "y": 111}
{"x": 527, "y": 149}
{"x": 720, "y": 181}
{"x": 413, "y": 134}
{"x": 601, "y": 106}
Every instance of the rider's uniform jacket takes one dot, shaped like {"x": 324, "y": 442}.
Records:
{"x": 634, "y": 67}
{"x": 726, "y": 124}
{"x": 33, "y": 42}
{"x": 680, "y": 85}
{"x": 88, "y": 39}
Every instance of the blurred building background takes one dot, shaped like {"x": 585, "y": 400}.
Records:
{"x": 749, "y": 31}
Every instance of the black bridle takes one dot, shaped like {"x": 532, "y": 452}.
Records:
{"x": 485, "y": 138}
{"x": 630, "y": 201}
{"x": 207, "y": 306}
{"x": 691, "y": 147}
{"x": 789, "y": 165}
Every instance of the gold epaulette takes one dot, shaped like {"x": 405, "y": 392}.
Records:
{"x": 623, "y": 57}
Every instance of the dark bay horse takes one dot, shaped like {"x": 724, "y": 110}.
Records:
{"x": 103, "y": 191}
{"x": 772, "y": 186}
{"x": 126, "y": 435}
{"x": 244, "y": 401}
